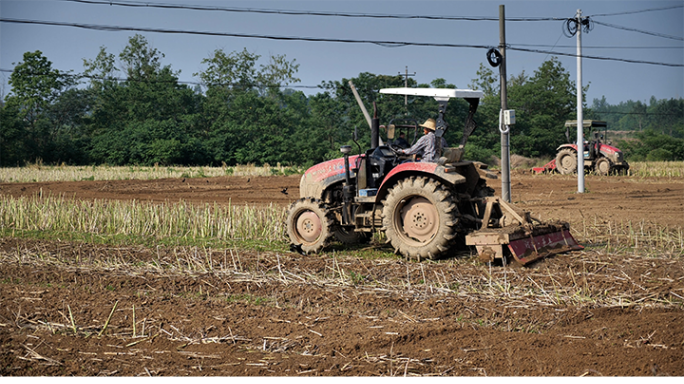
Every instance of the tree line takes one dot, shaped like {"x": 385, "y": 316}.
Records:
{"x": 246, "y": 111}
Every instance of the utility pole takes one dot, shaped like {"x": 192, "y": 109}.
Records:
{"x": 406, "y": 75}
{"x": 505, "y": 134}
{"x": 580, "y": 117}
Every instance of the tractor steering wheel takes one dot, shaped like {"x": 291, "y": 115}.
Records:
{"x": 396, "y": 150}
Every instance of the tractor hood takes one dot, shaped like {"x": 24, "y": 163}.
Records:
{"x": 317, "y": 178}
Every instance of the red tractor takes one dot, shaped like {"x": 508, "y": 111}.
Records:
{"x": 602, "y": 159}
{"x": 425, "y": 209}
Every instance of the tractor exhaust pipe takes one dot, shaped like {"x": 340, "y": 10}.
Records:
{"x": 349, "y": 190}
{"x": 375, "y": 128}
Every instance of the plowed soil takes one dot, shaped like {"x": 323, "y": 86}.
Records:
{"x": 91, "y": 310}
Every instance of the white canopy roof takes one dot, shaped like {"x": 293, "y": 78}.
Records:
{"x": 437, "y": 93}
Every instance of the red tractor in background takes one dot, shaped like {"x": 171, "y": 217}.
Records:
{"x": 425, "y": 209}
{"x": 602, "y": 159}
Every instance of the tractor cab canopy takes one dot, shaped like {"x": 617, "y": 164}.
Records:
{"x": 440, "y": 94}
{"x": 587, "y": 124}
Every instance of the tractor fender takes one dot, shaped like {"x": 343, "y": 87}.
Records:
{"x": 573, "y": 146}
{"x": 405, "y": 170}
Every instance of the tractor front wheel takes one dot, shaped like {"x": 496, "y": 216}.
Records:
{"x": 566, "y": 161}
{"x": 603, "y": 166}
{"x": 309, "y": 224}
{"x": 420, "y": 218}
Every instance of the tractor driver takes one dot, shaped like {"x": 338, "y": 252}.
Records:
{"x": 425, "y": 146}
{"x": 401, "y": 141}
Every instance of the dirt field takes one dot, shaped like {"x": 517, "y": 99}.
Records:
{"x": 84, "y": 309}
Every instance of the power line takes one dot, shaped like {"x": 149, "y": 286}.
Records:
{"x": 639, "y": 11}
{"x": 302, "y": 13}
{"x": 241, "y": 35}
{"x": 601, "y": 47}
{"x": 597, "y": 57}
{"x": 640, "y": 31}
{"x": 635, "y": 113}
{"x": 318, "y": 39}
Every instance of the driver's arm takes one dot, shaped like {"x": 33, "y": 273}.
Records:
{"x": 418, "y": 147}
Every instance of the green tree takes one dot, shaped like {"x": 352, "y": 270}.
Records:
{"x": 35, "y": 86}
{"x": 237, "y": 71}
{"x": 485, "y": 141}
{"x": 101, "y": 69}
{"x": 542, "y": 104}
{"x": 140, "y": 60}
{"x": 69, "y": 138}
{"x": 278, "y": 72}
{"x": 150, "y": 118}
{"x": 13, "y": 137}
{"x": 654, "y": 146}
{"x": 228, "y": 71}
{"x": 240, "y": 125}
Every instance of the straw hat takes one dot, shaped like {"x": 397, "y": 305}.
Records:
{"x": 429, "y": 124}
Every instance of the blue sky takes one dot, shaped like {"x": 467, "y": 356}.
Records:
{"x": 654, "y": 36}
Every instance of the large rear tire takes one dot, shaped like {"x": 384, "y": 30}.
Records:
{"x": 566, "y": 161}
{"x": 309, "y": 223}
{"x": 420, "y": 218}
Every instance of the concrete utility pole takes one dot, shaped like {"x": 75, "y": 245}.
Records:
{"x": 406, "y": 83}
{"x": 580, "y": 117}
{"x": 505, "y": 134}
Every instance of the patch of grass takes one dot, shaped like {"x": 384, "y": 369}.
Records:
{"x": 249, "y": 299}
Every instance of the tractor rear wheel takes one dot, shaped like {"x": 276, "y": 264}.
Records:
{"x": 566, "y": 161}
{"x": 603, "y": 166}
{"x": 309, "y": 224}
{"x": 420, "y": 218}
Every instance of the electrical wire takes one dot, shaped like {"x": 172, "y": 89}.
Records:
{"x": 302, "y": 13}
{"x": 319, "y": 39}
{"x": 225, "y": 34}
{"x": 640, "y": 31}
{"x": 639, "y": 11}
{"x": 599, "y": 46}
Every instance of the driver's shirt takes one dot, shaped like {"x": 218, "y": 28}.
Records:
{"x": 425, "y": 147}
